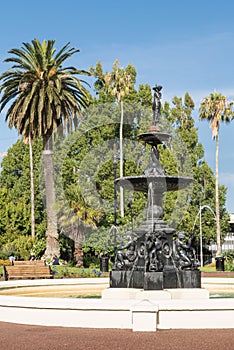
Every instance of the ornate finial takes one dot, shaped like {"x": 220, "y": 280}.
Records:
{"x": 156, "y": 104}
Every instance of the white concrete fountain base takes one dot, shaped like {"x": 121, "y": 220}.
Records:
{"x": 166, "y": 294}
{"x": 138, "y": 311}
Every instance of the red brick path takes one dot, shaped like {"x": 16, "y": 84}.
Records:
{"x": 25, "y": 337}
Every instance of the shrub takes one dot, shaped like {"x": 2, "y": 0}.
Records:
{"x": 4, "y": 255}
{"x": 91, "y": 262}
{"x": 21, "y": 246}
{"x": 5, "y": 262}
{"x": 229, "y": 260}
{"x": 61, "y": 271}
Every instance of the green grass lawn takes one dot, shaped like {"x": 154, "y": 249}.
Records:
{"x": 63, "y": 271}
{"x": 207, "y": 269}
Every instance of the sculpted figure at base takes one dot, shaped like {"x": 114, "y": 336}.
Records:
{"x": 185, "y": 256}
{"x": 126, "y": 255}
{"x": 148, "y": 253}
{"x": 153, "y": 260}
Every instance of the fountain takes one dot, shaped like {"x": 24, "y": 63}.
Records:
{"x": 158, "y": 258}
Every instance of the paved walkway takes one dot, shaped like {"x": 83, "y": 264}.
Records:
{"x": 25, "y": 337}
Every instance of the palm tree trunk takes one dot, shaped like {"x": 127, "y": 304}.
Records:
{"x": 217, "y": 197}
{"x": 52, "y": 236}
{"x": 121, "y": 160}
{"x": 78, "y": 253}
{"x": 32, "y": 188}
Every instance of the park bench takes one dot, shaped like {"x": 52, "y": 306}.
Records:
{"x": 29, "y": 271}
{"x": 29, "y": 262}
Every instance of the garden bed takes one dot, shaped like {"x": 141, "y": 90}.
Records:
{"x": 217, "y": 274}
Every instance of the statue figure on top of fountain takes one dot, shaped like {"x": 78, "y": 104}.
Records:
{"x": 154, "y": 167}
{"x": 157, "y": 104}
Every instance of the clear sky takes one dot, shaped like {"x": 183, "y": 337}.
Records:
{"x": 185, "y": 46}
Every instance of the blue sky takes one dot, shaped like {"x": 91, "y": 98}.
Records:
{"x": 185, "y": 46}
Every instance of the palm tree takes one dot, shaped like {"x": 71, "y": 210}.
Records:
{"x": 216, "y": 108}
{"x": 76, "y": 218}
{"x": 32, "y": 188}
{"x": 43, "y": 96}
{"x": 118, "y": 83}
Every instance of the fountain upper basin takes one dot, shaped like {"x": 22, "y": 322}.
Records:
{"x": 160, "y": 182}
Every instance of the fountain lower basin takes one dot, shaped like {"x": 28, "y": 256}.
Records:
{"x": 147, "y": 313}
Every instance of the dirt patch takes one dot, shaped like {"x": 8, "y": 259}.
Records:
{"x": 59, "y": 291}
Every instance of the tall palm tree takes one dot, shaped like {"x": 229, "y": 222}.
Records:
{"x": 118, "y": 83}
{"x": 216, "y": 108}
{"x": 43, "y": 96}
{"x": 32, "y": 188}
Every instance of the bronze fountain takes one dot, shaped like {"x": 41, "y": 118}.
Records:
{"x": 158, "y": 257}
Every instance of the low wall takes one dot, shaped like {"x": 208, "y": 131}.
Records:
{"x": 137, "y": 315}
{"x": 218, "y": 284}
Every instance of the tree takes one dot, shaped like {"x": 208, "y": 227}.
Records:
{"x": 43, "y": 96}
{"x": 75, "y": 215}
{"x": 216, "y": 108}
{"x": 76, "y": 219}
{"x": 32, "y": 188}
{"x": 181, "y": 208}
{"x": 15, "y": 199}
{"x": 87, "y": 165}
{"x": 118, "y": 83}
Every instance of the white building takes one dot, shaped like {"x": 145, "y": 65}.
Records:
{"x": 228, "y": 243}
